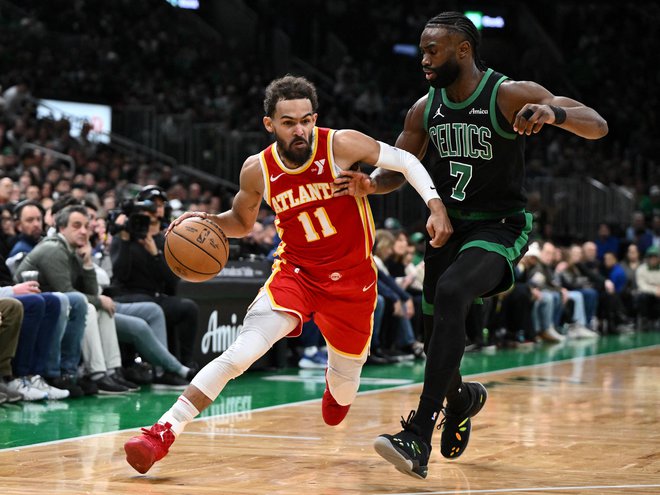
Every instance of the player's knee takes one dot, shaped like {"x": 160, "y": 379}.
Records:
{"x": 447, "y": 288}
{"x": 249, "y": 346}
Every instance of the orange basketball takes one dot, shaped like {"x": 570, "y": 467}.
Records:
{"x": 196, "y": 249}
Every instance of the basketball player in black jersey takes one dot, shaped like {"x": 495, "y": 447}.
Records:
{"x": 476, "y": 120}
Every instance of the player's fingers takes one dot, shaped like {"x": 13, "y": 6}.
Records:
{"x": 340, "y": 191}
{"x": 434, "y": 233}
{"x": 350, "y": 173}
{"x": 542, "y": 120}
{"x": 522, "y": 120}
{"x": 178, "y": 220}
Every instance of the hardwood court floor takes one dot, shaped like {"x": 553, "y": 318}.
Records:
{"x": 587, "y": 424}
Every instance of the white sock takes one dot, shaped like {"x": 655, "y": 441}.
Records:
{"x": 180, "y": 414}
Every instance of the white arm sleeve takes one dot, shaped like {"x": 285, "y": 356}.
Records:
{"x": 396, "y": 159}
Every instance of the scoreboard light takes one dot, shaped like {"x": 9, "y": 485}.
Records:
{"x": 482, "y": 20}
{"x": 184, "y": 4}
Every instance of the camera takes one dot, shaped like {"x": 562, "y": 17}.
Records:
{"x": 137, "y": 222}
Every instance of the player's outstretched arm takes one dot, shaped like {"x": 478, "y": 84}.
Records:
{"x": 239, "y": 220}
{"x": 351, "y": 146}
{"x": 412, "y": 139}
{"x": 529, "y": 106}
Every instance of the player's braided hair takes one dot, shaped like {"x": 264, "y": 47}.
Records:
{"x": 289, "y": 88}
{"x": 459, "y": 23}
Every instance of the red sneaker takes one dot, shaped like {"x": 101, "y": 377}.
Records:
{"x": 333, "y": 413}
{"x": 144, "y": 450}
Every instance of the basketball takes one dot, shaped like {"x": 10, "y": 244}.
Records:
{"x": 196, "y": 249}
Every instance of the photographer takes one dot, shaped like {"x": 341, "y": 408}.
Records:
{"x": 140, "y": 272}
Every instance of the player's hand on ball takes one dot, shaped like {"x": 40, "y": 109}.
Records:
{"x": 188, "y": 214}
{"x": 196, "y": 249}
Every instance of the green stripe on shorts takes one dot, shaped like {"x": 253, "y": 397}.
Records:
{"x": 509, "y": 253}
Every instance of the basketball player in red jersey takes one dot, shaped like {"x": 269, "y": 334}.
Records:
{"x": 324, "y": 264}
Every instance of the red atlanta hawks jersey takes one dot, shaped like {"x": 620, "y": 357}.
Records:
{"x": 318, "y": 231}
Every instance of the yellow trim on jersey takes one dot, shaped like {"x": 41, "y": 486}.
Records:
{"x": 329, "y": 153}
{"x": 352, "y": 356}
{"x": 264, "y": 172}
{"x": 275, "y": 306}
{"x": 306, "y": 165}
{"x": 370, "y": 215}
{"x": 367, "y": 223}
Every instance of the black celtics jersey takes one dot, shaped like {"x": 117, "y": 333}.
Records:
{"x": 479, "y": 173}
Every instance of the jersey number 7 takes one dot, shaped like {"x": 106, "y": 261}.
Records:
{"x": 464, "y": 173}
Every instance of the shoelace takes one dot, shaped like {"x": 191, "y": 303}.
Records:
{"x": 39, "y": 383}
{"x": 443, "y": 420}
{"x": 160, "y": 434}
{"x": 150, "y": 432}
{"x": 405, "y": 423}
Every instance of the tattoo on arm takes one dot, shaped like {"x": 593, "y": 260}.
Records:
{"x": 386, "y": 180}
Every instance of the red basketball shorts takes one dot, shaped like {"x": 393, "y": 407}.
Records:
{"x": 342, "y": 303}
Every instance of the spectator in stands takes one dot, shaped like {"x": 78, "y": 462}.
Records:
{"x": 11, "y": 315}
{"x": 7, "y": 231}
{"x": 655, "y": 228}
{"x": 65, "y": 264}
{"x": 546, "y": 295}
{"x": 611, "y": 312}
{"x": 615, "y": 272}
{"x": 575, "y": 278}
{"x": 64, "y": 349}
{"x": 6, "y": 190}
{"x": 648, "y": 284}
{"x": 141, "y": 274}
{"x": 38, "y": 330}
{"x": 514, "y": 309}
{"x": 400, "y": 341}
{"x": 605, "y": 241}
{"x": 29, "y": 223}
{"x": 142, "y": 325}
{"x": 400, "y": 267}
{"x": 631, "y": 262}
{"x": 638, "y": 233}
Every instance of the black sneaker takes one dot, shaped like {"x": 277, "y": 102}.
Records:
{"x": 88, "y": 386}
{"x": 66, "y": 382}
{"x": 141, "y": 374}
{"x": 398, "y": 355}
{"x": 374, "y": 359}
{"x": 379, "y": 353}
{"x": 118, "y": 376}
{"x": 407, "y": 451}
{"x": 456, "y": 427}
{"x": 169, "y": 381}
{"x": 107, "y": 385}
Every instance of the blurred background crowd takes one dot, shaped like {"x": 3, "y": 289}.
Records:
{"x": 186, "y": 87}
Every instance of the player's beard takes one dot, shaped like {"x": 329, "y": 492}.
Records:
{"x": 446, "y": 74}
{"x": 297, "y": 156}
